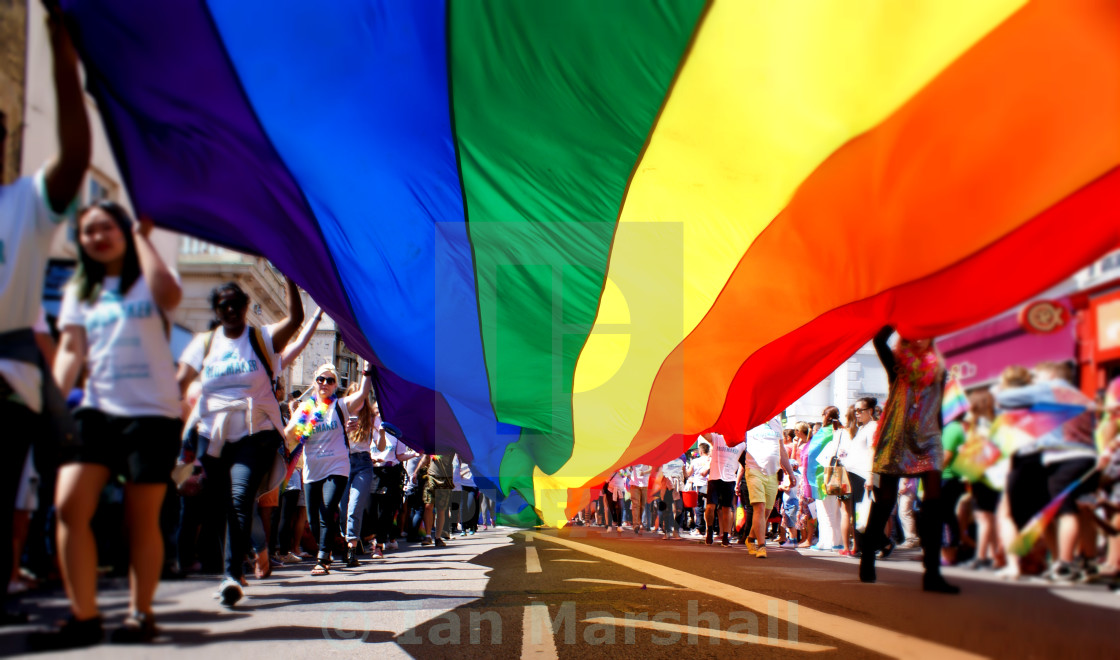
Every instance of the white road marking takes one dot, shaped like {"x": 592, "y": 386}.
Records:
{"x": 864, "y": 635}
{"x": 703, "y": 631}
{"x": 532, "y": 561}
{"x": 536, "y": 633}
{"x": 579, "y": 561}
{"x": 622, "y": 583}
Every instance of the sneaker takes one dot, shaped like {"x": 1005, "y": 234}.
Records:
{"x": 440, "y": 543}
{"x": 760, "y": 553}
{"x": 1009, "y": 572}
{"x": 694, "y": 532}
{"x": 377, "y": 553}
{"x": 139, "y": 628}
{"x": 290, "y": 558}
{"x": 392, "y": 545}
{"x": 1063, "y": 573}
{"x": 72, "y": 634}
{"x": 275, "y": 561}
{"x": 229, "y": 592}
{"x": 752, "y": 548}
{"x": 463, "y": 534}
{"x": 789, "y": 544}
{"x": 909, "y": 544}
{"x": 937, "y": 584}
{"x": 471, "y": 531}
{"x": 427, "y": 540}
{"x": 304, "y": 555}
{"x": 725, "y": 541}
{"x": 1089, "y": 571}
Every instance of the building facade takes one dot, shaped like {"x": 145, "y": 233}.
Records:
{"x": 860, "y": 375}
{"x": 13, "y": 69}
{"x": 325, "y": 345}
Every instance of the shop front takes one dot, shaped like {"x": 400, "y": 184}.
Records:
{"x": 1042, "y": 330}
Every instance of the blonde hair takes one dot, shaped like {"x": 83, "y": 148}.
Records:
{"x": 365, "y": 418}
{"x": 327, "y": 367}
{"x": 1015, "y": 376}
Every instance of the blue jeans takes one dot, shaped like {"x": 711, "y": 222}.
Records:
{"x": 323, "y": 500}
{"x": 669, "y": 522}
{"x": 236, "y": 477}
{"x": 357, "y": 493}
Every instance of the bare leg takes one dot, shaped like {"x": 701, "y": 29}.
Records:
{"x": 758, "y": 526}
{"x": 846, "y": 524}
{"x": 78, "y": 491}
{"x": 142, "y": 504}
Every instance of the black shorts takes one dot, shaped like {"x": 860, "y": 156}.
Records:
{"x": 1062, "y": 474}
{"x": 858, "y": 483}
{"x": 1027, "y": 490}
{"x": 985, "y": 497}
{"x": 721, "y": 493}
{"x": 141, "y": 449}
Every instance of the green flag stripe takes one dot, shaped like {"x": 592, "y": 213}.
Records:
{"x": 552, "y": 104}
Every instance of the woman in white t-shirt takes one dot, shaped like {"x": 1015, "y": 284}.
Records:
{"x": 113, "y": 322}
{"x": 388, "y": 454}
{"x": 237, "y": 415}
{"x": 320, "y": 424}
{"x": 857, "y": 451}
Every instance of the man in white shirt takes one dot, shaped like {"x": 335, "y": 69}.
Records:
{"x": 30, "y": 210}
{"x": 721, "y": 486}
{"x": 765, "y": 452}
{"x": 639, "y": 496}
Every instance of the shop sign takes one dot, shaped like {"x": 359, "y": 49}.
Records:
{"x": 1042, "y": 317}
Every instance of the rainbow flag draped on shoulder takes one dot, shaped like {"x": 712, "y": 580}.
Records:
{"x": 572, "y": 235}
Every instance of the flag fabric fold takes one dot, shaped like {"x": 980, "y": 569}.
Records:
{"x": 572, "y": 236}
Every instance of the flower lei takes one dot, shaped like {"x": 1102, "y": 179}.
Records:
{"x": 309, "y": 415}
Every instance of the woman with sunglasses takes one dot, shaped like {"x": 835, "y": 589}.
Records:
{"x": 238, "y": 418}
{"x": 320, "y": 424}
{"x": 112, "y": 321}
{"x": 856, "y": 454}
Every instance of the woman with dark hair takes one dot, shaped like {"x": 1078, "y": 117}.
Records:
{"x": 857, "y": 462}
{"x": 113, "y": 321}
{"x": 908, "y": 443}
{"x": 237, "y": 416}
{"x": 386, "y": 492}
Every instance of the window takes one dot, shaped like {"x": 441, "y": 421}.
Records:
{"x": 3, "y": 143}
{"x": 100, "y": 187}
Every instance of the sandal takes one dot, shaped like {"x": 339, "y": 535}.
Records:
{"x": 262, "y": 567}
{"x": 320, "y": 569}
{"x": 139, "y": 628}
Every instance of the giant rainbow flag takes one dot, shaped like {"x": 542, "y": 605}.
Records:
{"x": 572, "y": 235}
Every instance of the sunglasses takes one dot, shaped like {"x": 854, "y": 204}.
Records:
{"x": 859, "y": 410}
{"x": 323, "y": 380}
{"x": 230, "y": 305}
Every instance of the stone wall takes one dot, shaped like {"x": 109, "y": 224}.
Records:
{"x": 13, "y": 69}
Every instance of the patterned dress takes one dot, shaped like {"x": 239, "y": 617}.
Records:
{"x": 908, "y": 441}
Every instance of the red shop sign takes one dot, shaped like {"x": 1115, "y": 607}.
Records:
{"x": 1043, "y": 317}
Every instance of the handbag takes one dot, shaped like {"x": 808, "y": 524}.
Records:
{"x": 863, "y": 514}
{"x": 836, "y": 481}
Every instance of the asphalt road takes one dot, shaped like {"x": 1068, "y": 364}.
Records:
{"x": 579, "y": 593}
